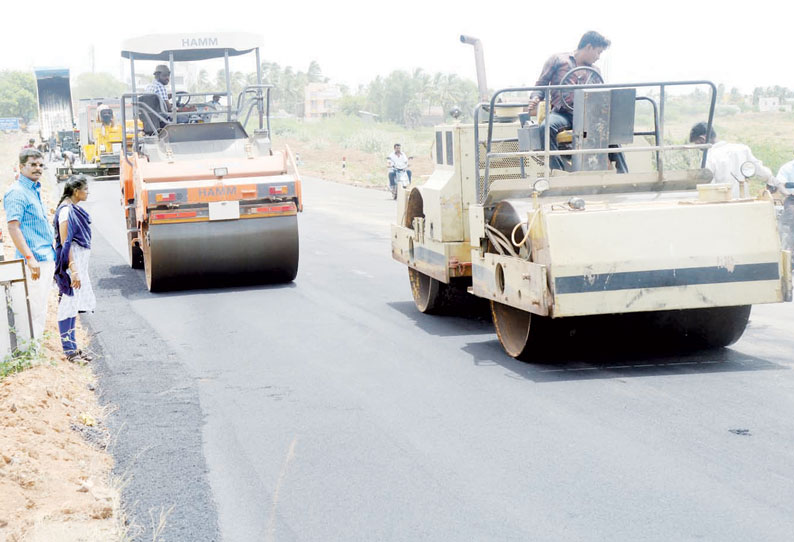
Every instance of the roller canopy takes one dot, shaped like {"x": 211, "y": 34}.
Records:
{"x": 187, "y": 47}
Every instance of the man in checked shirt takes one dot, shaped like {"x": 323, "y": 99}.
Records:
{"x": 587, "y": 53}
{"x": 162, "y": 76}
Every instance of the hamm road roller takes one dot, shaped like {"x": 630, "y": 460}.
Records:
{"x": 625, "y": 233}
{"x": 207, "y": 199}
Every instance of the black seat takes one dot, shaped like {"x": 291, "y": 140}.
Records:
{"x": 151, "y": 122}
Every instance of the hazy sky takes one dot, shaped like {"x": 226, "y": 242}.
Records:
{"x": 356, "y": 40}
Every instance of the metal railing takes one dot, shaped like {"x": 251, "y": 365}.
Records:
{"x": 259, "y": 99}
{"x": 546, "y": 153}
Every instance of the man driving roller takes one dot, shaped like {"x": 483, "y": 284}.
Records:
{"x": 162, "y": 76}
{"x": 591, "y": 45}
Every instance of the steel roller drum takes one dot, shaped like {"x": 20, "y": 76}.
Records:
{"x": 219, "y": 253}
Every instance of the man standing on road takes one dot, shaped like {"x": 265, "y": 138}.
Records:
{"x": 591, "y": 45}
{"x": 725, "y": 159}
{"x": 52, "y": 142}
{"x": 162, "y": 76}
{"x": 32, "y": 234}
{"x": 397, "y": 160}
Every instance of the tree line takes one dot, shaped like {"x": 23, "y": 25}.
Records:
{"x": 401, "y": 97}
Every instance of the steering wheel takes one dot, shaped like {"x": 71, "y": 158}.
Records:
{"x": 580, "y": 75}
{"x": 180, "y": 96}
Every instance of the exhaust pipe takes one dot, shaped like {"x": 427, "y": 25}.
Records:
{"x": 478, "y": 58}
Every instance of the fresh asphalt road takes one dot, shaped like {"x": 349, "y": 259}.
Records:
{"x": 330, "y": 409}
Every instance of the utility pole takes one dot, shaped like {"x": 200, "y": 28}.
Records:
{"x": 91, "y": 56}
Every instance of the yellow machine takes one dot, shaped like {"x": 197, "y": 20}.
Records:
{"x": 595, "y": 240}
{"x": 100, "y": 122}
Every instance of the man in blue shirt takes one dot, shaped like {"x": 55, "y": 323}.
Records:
{"x": 30, "y": 230}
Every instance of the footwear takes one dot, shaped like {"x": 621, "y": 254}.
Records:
{"x": 86, "y": 356}
{"x": 75, "y": 358}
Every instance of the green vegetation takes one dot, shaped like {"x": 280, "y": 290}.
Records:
{"x": 32, "y": 352}
{"x": 97, "y": 85}
{"x": 18, "y": 95}
{"x": 350, "y": 132}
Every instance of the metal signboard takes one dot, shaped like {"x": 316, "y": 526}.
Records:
{"x": 9, "y": 123}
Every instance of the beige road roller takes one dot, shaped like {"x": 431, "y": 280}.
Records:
{"x": 207, "y": 199}
{"x": 626, "y": 232}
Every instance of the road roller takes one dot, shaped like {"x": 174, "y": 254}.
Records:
{"x": 208, "y": 201}
{"x": 629, "y": 238}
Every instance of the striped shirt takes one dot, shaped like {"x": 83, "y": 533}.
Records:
{"x": 22, "y": 202}
{"x": 156, "y": 87}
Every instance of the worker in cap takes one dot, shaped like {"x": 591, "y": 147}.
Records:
{"x": 162, "y": 76}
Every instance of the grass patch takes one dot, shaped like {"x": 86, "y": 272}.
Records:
{"x": 29, "y": 354}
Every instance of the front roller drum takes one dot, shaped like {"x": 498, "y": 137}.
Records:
{"x": 219, "y": 253}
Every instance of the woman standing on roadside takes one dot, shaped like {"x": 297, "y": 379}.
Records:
{"x": 72, "y": 252}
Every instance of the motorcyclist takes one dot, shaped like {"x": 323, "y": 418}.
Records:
{"x": 397, "y": 160}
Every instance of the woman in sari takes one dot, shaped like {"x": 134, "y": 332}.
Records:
{"x": 72, "y": 252}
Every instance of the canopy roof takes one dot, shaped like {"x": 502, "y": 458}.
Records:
{"x": 189, "y": 46}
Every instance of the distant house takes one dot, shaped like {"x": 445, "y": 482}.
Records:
{"x": 773, "y": 103}
{"x": 321, "y": 100}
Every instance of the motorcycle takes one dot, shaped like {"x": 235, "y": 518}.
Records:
{"x": 400, "y": 179}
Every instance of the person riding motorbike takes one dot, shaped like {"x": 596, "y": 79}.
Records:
{"x": 397, "y": 162}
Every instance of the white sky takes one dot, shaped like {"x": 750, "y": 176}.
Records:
{"x": 356, "y": 40}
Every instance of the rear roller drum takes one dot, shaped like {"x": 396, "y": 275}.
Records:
{"x": 521, "y": 333}
{"x": 428, "y": 292}
{"x": 714, "y": 327}
{"x": 220, "y": 253}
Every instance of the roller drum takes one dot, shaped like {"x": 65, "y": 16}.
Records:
{"x": 254, "y": 250}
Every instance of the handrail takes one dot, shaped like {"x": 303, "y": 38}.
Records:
{"x": 547, "y": 153}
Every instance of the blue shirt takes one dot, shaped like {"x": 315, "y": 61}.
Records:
{"x": 22, "y": 202}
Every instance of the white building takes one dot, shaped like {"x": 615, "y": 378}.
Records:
{"x": 321, "y": 100}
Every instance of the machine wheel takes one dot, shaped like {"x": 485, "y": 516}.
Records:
{"x": 146, "y": 249}
{"x": 715, "y": 327}
{"x": 428, "y": 292}
{"x": 520, "y": 333}
{"x": 135, "y": 253}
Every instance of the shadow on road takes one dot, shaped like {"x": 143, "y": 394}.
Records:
{"x": 604, "y": 361}
{"x": 465, "y": 319}
{"x": 131, "y": 284}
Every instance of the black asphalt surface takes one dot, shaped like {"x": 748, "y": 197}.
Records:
{"x": 330, "y": 409}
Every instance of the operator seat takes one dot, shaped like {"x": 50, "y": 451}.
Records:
{"x": 151, "y": 122}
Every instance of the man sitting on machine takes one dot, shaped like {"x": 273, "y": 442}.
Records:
{"x": 574, "y": 68}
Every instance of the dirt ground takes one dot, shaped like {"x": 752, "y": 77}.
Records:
{"x": 55, "y": 481}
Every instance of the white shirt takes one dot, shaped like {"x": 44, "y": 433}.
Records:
{"x": 398, "y": 161}
{"x": 725, "y": 161}
{"x": 786, "y": 173}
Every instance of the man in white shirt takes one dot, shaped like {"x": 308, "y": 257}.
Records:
{"x": 725, "y": 159}
{"x": 786, "y": 173}
{"x": 397, "y": 160}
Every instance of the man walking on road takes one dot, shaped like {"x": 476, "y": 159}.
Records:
{"x": 32, "y": 234}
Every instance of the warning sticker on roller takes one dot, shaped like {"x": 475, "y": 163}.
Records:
{"x": 224, "y": 210}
